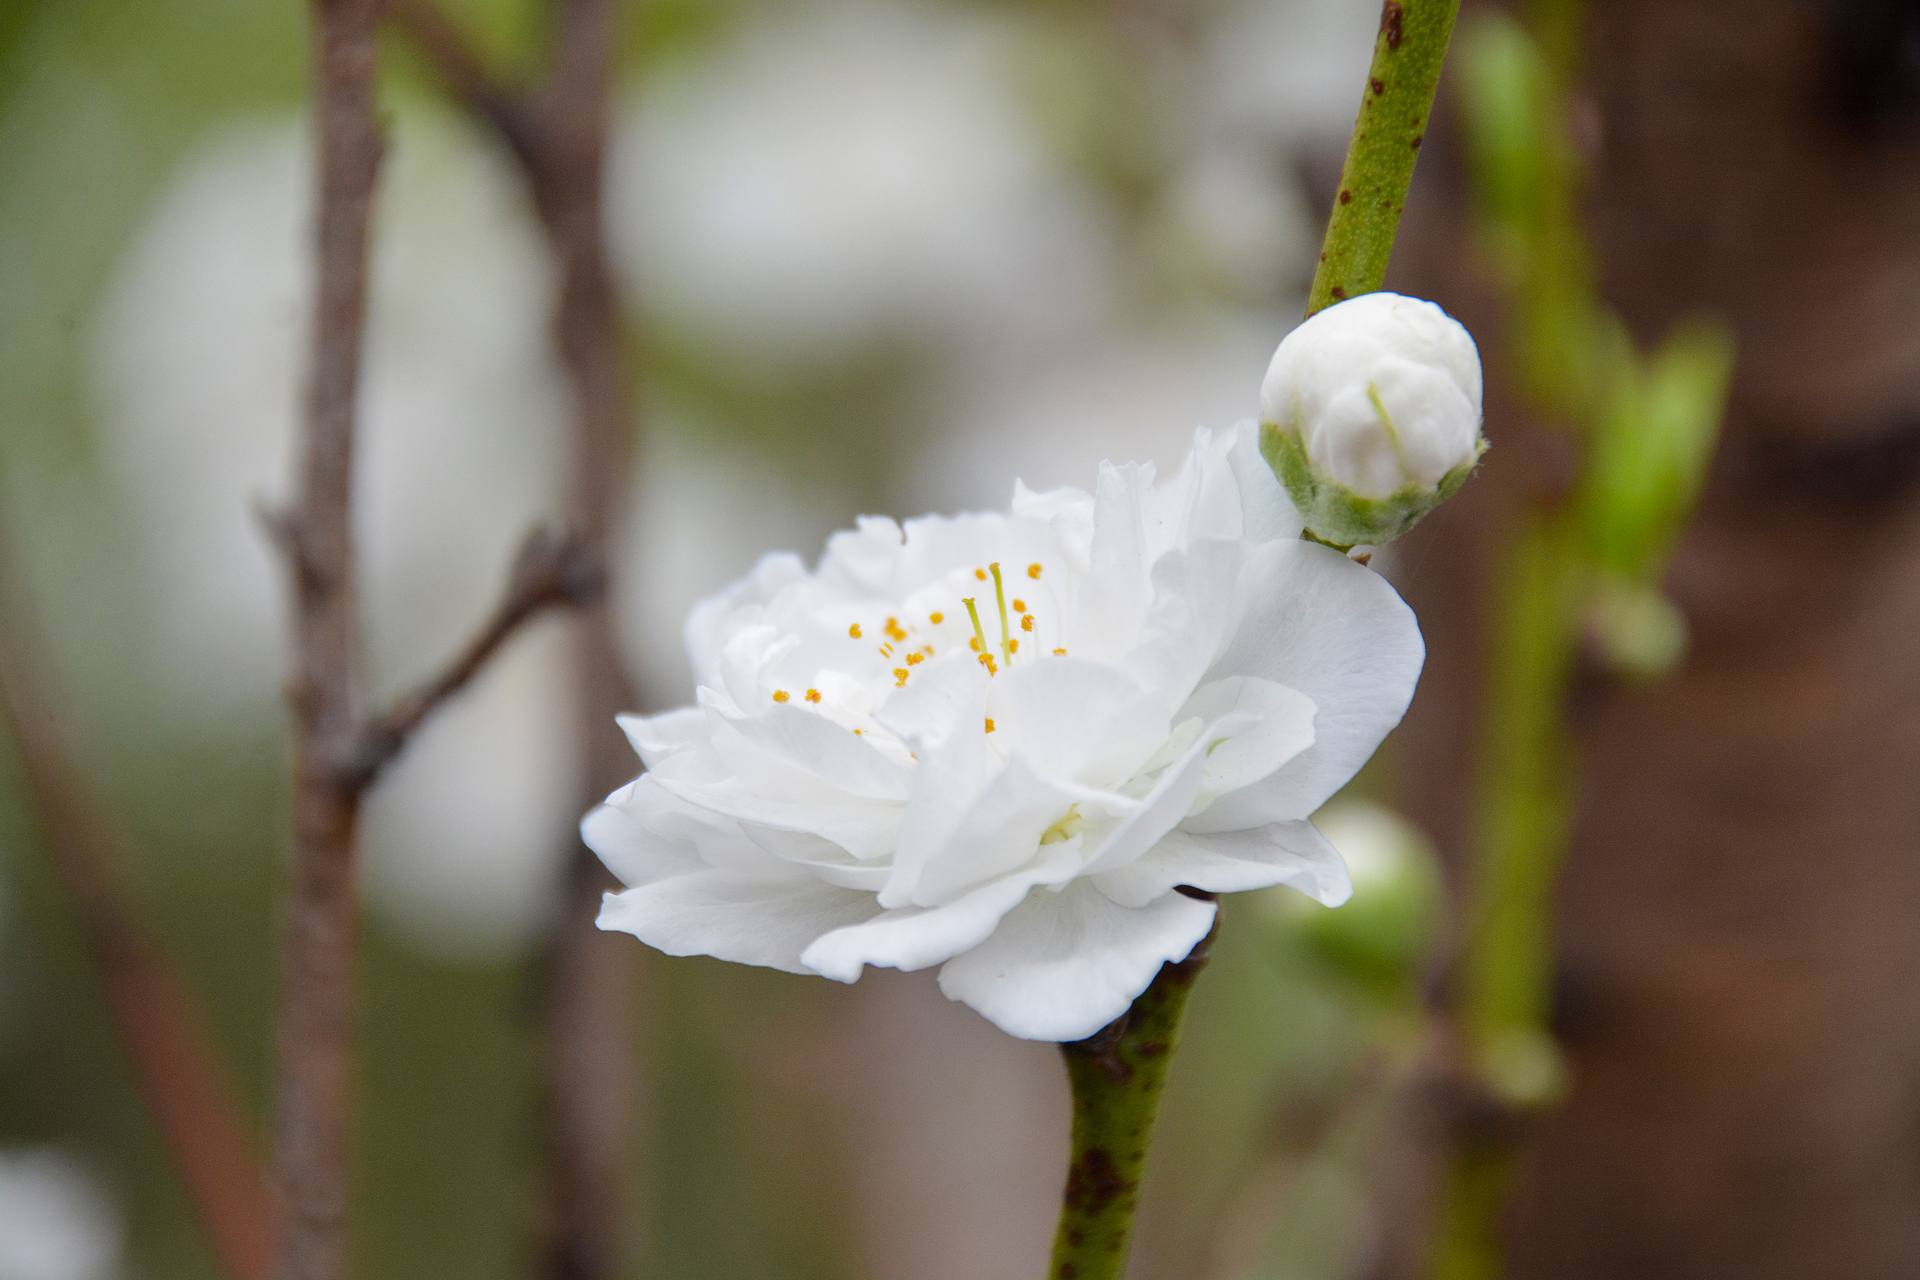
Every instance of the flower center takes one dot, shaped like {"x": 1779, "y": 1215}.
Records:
{"x": 1066, "y": 829}
{"x": 907, "y": 638}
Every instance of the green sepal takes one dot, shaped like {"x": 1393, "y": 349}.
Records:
{"x": 1335, "y": 514}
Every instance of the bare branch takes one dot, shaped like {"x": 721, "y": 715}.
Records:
{"x": 445, "y": 48}
{"x": 550, "y": 569}
{"x": 181, "y": 1077}
{"x": 315, "y": 1033}
{"x": 558, "y": 135}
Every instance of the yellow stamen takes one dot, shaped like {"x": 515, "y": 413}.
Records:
{"x": 813, "y": 695}
{"x": 1013, "y": 645}
{"x": 980, "y": 575}
{"x": 1033, "y": 570}
{"x": 859, "y": 733}
{"x": 979, "y": 644}
{"x": 886, "y": 651}
{"x": 936, "y": 617}
{"x": 989, "y": 724}
{"x": 915, "y": 659}
{"x": 780, "y": 695}
{"x": 975, "y": 643}
{"x": 853, "y": 632}
{"x": 1019, "y": 605}
{"x": 986, "y": 660}
{"x": 894, "y": 631}
{"x": 900, "y": 675}
{"x": 1000, "y": 596}
{"x": 1059, "y": 653}
{"x": 1026, "y": 623}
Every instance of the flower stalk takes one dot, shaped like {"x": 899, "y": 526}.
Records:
{"x": 1407, "y": 57}
{"x": 1117, "y": 1077}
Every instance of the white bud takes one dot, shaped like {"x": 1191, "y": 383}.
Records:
{"x": 1370, "y": 415}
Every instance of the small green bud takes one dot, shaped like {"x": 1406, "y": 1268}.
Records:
{"x": 1381, "y": 937}
{"x": 1638, "y": 631}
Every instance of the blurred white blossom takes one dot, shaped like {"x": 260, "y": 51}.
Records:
{"x": 199, "y": 362}
{"x": 55, "y": 1222}
{"x": 1125, "y": 391}
{"x": 1289, "y": 71}
{"x": 850, "y": 173}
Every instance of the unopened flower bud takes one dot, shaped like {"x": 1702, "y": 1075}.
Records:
{"x": 1370, "y": 415}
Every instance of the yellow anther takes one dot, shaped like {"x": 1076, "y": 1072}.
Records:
{"x": 859, "y": 733}
{"x": 974, "y": 643}
{"x": 989, "y": 724}
{"x": 894, "y": 630}
{"x": 780, "y": 695}
{"x": 1059, "y": 653}
{"x": 813, "y": 695}
{"x": 1019, "y": 605}
{"x": 1013, "y": 645}
{"x": 980, "y": 575}
{"x": 886, "y": 651}
{"x": 915, "y": 659}
{"x": 1033, "y": 570}
{"x": 936, "y": 617}
{"x": 1026, "y": 623}
{"x": 986, "y": 660}
{"x": 853, "y": 632}
{"x": 900, "y": 675}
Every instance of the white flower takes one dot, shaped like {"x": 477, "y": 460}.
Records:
{"x": 1371, "y": 415}
{"x": 999, "y": 742}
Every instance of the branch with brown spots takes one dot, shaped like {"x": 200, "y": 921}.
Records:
{"x": 1394, "y": 106}
{"x": 1117, "y": 1076}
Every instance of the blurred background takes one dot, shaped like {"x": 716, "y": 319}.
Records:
{"x": 885, "y": 255}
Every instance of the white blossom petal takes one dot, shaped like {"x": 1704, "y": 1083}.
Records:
{"x": 1337, "y": 632}
{"x": 997, "y": 832}
{"x": 1063, "y": 965}
{"x": 1171, "y": 797}
{"x": 911, "y": 938}
{"x": 766, "y": 921}
{"x": 1077, "y": 721}
{"x": 708, "y": 622}
{"x": 1289, "y": 853}
{"x": 1280, "y": 727}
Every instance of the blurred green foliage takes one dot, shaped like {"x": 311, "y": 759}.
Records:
{"x": 1579, "y": 580}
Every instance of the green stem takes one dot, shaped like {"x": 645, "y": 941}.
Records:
{"x": 1407, "y": 58}
{"x": 1117, "y": 1077}
{"x": 1525, "y": 809}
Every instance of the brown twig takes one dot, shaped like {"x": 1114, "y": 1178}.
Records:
{"x": 183, "y": 1080}
{"x": 463, "y": 72}
{"x": 339, "y": 750}
{"x": 315, "y": 1037}
{"x": 588, "y": 974}
{"x": 558, "y": 133}
{"x": 550, "y": 569}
